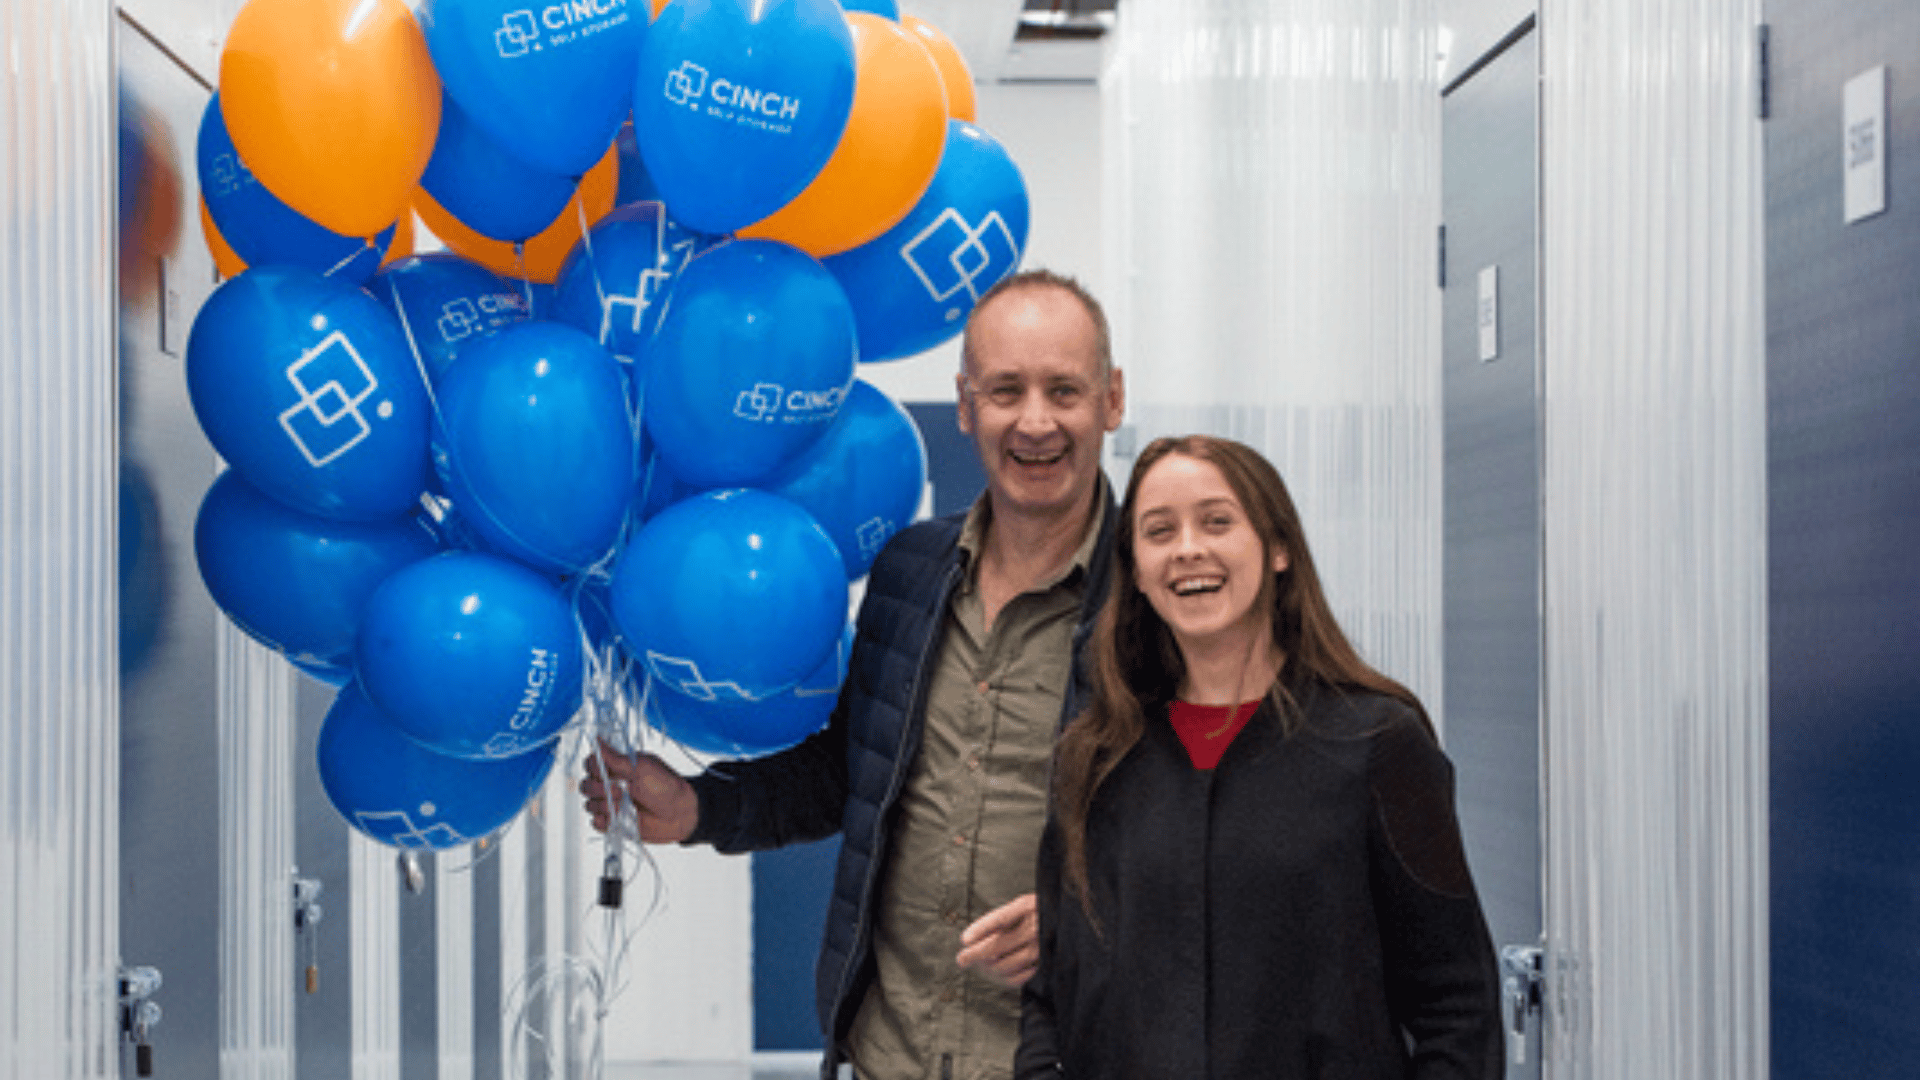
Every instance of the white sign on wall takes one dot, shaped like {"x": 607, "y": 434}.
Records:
{"x": 1864, "y": 144}
{"x": 1488, "y": 312}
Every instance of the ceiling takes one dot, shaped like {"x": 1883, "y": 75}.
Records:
{"x": 1023, "y": 40}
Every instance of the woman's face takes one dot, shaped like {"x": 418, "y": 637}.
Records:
{"x": 1197, "y": 557}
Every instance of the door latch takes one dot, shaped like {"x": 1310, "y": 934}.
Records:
{"x": 1522, "y": 971}
{"x": 307, "y": 914}
{"x": 139, "y": 1014}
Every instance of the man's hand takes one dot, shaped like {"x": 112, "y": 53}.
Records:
{"x": 1004, "y": 943}
{"x": 665, "y": 806}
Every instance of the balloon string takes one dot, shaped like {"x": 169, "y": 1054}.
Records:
{"x": 331, "y": 270}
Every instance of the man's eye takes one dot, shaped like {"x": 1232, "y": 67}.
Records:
{"x": 1065, "y": 395}
{"x": 1004, "y": 395}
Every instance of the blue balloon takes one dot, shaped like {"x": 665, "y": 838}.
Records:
{"x": 471, "y": 655}
{"x": 260, "y": 228}
{"x": 542, "y": 295}
{"x": 862, "y": 481}
{"x": 550, "y": 85}
{"x": 752, "y": 728}
{"x": 732, "y": 594}
{"x": 486, "y": 188}
{"x": 913, "y": 287}
{"x": 445, "y": 303}
{"x": 294, "y": 582}
{"x": 634, "y": 184}
{"x": 751, "y": 362}
{"x": 657, "y": 488}
{"x": 306, "y": 386}
{"x": 739, "y": 104}
{"x": 334, "y": 675}
{"x": 886, "y": 9}
{"x": 534, "y": 445}
{"x": 401, "y": 794}
{"x": 616, "y": 279}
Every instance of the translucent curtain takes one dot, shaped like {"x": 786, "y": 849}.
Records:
{"x": 374, "y": 929}
{"x": 1272, "y": 187}
{"x": 257, "y": 734}
{"x": 1655, "y": 533}
{"x": 59, "y": 665}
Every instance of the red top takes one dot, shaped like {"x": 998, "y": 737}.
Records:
{"x": 1205, "y": 730}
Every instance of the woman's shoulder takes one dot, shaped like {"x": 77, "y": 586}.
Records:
{"x": 1358, "y": 713}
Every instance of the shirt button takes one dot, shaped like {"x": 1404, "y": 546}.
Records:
{"x": 954, "y": 918}
{"x": 973, "y": 763}
{"x": 959, "y": 839}
{"x": 982, "y": 686}
{"x": 946, "y": 996}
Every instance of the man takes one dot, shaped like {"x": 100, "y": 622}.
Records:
{"x": 935, "y": 763}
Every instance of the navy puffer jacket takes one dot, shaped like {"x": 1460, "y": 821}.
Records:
{"x": 847, "y": 777}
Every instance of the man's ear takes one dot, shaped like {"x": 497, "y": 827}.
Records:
{"x": 1116, "y": 398}
{"x": 963, "y": 413}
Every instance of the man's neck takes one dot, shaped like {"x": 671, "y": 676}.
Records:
{"x": 1019, "y": 551}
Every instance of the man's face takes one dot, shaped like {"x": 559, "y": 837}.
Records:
{"x": 1033, "y": 398}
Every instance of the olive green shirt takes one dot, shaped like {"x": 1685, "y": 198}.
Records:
{"x": 967, "y": 832}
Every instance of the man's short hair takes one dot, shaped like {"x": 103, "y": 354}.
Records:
{"x": 1045, "y": 279}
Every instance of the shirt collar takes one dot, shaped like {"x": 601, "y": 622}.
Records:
{"x": 973, "y": 535}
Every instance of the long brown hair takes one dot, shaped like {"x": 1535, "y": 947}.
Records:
{"x": 1135, "y": 666}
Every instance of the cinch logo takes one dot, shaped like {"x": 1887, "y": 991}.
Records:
{"x": 230, "y": 174}
{"x": 397, "y": 828}
{"x": 332, "y": 381}
{"x": 458, "y": 318}
{"x": 534, "y": 696}
{"x": 575, "y": 12}
{"x": 950, "y": 255}
{"x": 684, "y": 676}
{"x": 771, "y": 401}
{"x": 686, "y": 83}
{"x": 626, "y": 312}
{"x": 689, "y": 85}
{"x": 629, "y": 312}
{"x": 871, "y": 534}
{"x": 517, "y": 34}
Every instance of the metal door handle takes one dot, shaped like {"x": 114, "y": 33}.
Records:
{"x": 1521, "y": 969}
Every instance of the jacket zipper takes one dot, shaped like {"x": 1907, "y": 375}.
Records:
{"x": 894, "y": 784}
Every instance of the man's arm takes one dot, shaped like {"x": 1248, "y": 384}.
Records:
{"x": 796, "y": 795}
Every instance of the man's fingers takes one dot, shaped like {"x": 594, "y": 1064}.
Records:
{"x": 1014, "y": 916}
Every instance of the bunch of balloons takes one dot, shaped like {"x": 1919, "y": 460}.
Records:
{"x": 610, "y": 445}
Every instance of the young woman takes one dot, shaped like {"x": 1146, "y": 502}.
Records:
{"x": 1252, "y": 867}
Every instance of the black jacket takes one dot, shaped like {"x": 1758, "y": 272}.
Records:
{"x": 1302, "y": 911}
{"x": 847, "y": 777}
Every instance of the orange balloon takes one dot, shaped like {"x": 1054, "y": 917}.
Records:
{"x": 224, "y": 259}
{"x": 401, "y": 245}
{"x": 334, "y": 105}
{"x": 887, "y": 154}
{"x": 658, "y": 7}
{"x": 953, "y": 67}
{"x": 540, "y": 257}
